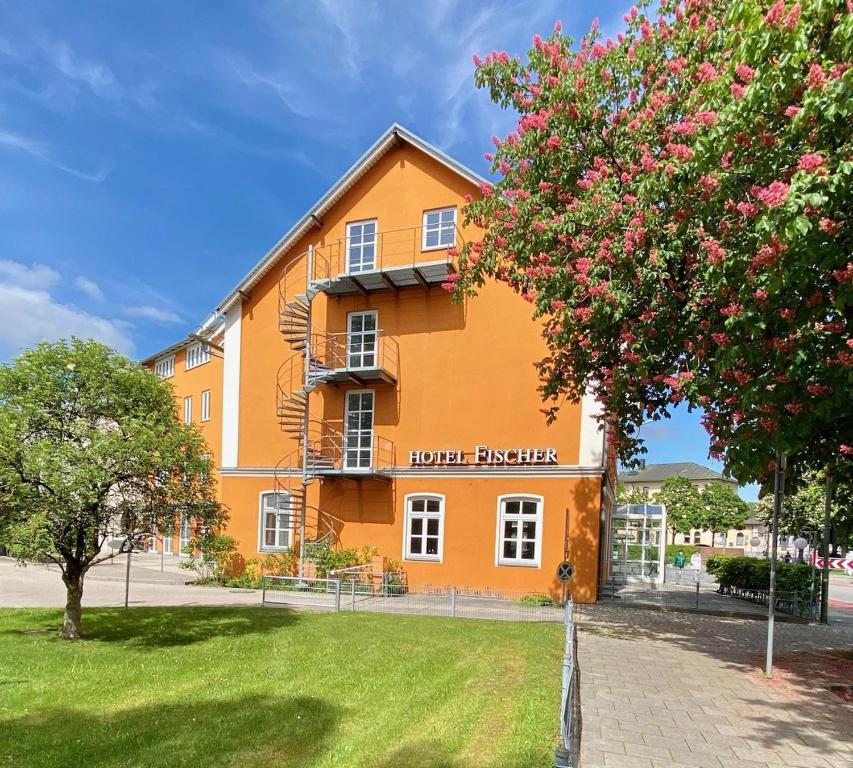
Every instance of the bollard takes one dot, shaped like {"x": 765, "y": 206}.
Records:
{"x": 697, "y": 595}
{"x": 263, "y": 590}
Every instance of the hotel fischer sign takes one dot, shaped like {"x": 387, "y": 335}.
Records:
{"x": 482, "y": 455}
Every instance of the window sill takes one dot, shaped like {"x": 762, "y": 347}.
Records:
{"x": 437, "y": 248}
{"x": 274, "y": 549}
{"x": 422, "y": 559}
{"x": 518, "y": 564}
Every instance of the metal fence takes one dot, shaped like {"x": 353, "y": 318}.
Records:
{"x": 385, "y": 596}
{"x": 567, "y": 755}
{"x": 705, "y": 594}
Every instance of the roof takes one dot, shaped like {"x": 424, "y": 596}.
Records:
{"x": 657, "y": 473}
{"x": 390, "y": 139}
{"x": 205, "y": 334}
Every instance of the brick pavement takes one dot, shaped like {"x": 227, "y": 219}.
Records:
{"x": 675, "y": 689}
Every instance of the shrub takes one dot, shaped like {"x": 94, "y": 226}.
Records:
{"x": 327, "y": 559}
{"x": 210, "y": 555}
{"x": 754, "y": 573}
{"x": 539, "y": 599}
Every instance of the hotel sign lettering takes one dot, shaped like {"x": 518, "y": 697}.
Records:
{"x": 483, "y": 455}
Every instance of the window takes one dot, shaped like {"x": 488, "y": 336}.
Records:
{"x": 358, "y": 436}
{"x": 205, "y": 405}
{"x": 197, "y": 354}
{"x": 361, "y": 340}
{"x": 739, "y": 540}
{"x": 184, "y": 535}
{"x": 697, "y": 537}
{"x": 519, "y": 530}
{"x": 188, "y": 410}
{"x": 439, "y": 229}
{"x": 424, "y": 529}
{"x": 646, "y": 491}
{"x": 721, "y": 540}
{"x": 164, "y": 368}
{"x": 275, "y": 521}
{"x": 167, "y": 543}
{"x": 361, "y": 246}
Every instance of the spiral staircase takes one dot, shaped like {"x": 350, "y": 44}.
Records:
{"x": 317, "y": 443}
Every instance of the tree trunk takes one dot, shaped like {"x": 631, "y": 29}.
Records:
{"x": 71, "y": 621}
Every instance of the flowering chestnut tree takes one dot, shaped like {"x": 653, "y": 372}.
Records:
{"x": 675, "y": 205}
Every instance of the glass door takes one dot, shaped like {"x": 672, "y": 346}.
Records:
{"x": 361, "y": 246}
{"x": 361, "y": 340}
{"x": 358, "y": 436}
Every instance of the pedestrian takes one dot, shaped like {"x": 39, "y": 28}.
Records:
{"x": 787, "y": 557}
{"x": 679, "y": 561}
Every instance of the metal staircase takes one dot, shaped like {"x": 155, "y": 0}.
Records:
{"x": 297, "y": 377}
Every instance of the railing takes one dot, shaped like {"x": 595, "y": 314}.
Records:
{"x": 326, "y": 453}
{"x": 568, "y": 754}
{"x": 331, "y": 351}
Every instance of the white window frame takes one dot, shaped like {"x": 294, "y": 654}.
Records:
{"x": 164, "y": 367}
{"x": 363, "y": 334}
{"x": 196, "y": 355}
{"x": 500, "y": 560}
{"x": 439, "y": 227}
{"x": 262, "y": 510}
{"x": 188, "y": 409}
{"x": 360, "y": 431}
{"x": 167, "y": 543}
{"x": 205, "y": 405}
{"x": 184, "y": 534}
{"x": 409, "y": 514}
{"x": 361, "y": 268}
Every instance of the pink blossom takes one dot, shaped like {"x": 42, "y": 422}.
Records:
{"x": 738, "y": 91}
{"x": 553, "y": 142}
{"x": 706, "y": 117}
{"x": 829, "y": 226}
{"x": 818, "y": 390}
{"x": 793, "y": 408}
{"x": 847, "y": 450}
{"x": 774, "y": 15}
{"x": 760, "y": 294}
{"x": 793, "y": 17}
{"x": 732, "y": 310}
{"x": 582, "y": 314}
{"x": 773, "y": 195}
{"x": 744, "y": 73}
{"x": 750, "y": 210}
{"x": 706, "y": 72}
{"x": 787, "y": 314}
{"x": 811, "y": 161}
{"x": 486, "y": 189}
{"x": 793, "y": 111}
{"x": 816, "y": 78}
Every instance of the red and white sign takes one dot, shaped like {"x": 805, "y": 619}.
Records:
{"x": 836, "y": 563}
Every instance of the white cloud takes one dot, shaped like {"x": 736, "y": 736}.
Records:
{"x": 98, "y": 78}
{"x": 89, "y": 287}
{"x": 36, "y": 276}
{"x": 28, "y": 316}
{"x": 154, "y": 314}
{"x": 43, "y": 152}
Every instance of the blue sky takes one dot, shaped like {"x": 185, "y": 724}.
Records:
{"x": 151, "y": 152}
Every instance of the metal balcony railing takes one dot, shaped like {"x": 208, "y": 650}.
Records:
{"x": 363, "y": 357}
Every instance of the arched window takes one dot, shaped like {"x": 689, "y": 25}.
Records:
{"x": 697, "y": 537}
{"x": 739, "y": 539}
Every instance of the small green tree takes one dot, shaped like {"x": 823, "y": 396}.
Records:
{"x": 91, "y": 448}
{"x": 682, "y": 501}
{"x": 625, "y": 495}
{"x": 719, "y": 509}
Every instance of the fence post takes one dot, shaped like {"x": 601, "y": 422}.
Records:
{"x": 337, "y": 594}
{"x": 697, "y": 594}
{"x": 263, "y": 589}
{"x": 352, "y": 587}
{"x": 453, "y": 602}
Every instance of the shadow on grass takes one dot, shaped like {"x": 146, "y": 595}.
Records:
{"x": 164, "y": 627}
{"x": 295, "y": 732}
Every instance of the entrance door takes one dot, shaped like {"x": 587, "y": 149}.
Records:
{"x": 358, "y": 436}
{"x": 361, "y": 340}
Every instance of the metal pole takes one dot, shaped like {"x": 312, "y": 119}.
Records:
{"x": 453, "y": 602}
{"x": 127, "y": 581}
{"x": 352, "y": 587}
{"x": 812, "y": 556}
{"x": 337, "y": 594}
{"x": 697, "y": 593}
{"x": 305, "y": 422}
{"x": 162, "y": 554}
{"x": 824, "y": 574}
{"x": 778, "y": 491}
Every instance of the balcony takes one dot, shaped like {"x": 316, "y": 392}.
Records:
{"x": 359, "y": 358}
{"x": 363, "y": 454}
{"x": 382, "y": 261}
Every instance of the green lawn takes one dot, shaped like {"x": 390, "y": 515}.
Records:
{"x": 269, "y": 687}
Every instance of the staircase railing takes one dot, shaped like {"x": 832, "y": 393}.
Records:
{"x": 331, "y": 351}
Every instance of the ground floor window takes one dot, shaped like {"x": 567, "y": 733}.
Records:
{"x": 275, "y": 525}
{"x": 185, "y": 535}
{"x": 519, "y": 530}
{"x": 424, "y": 527}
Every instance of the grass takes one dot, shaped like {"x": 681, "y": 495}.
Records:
{"x": 268, "y": 687}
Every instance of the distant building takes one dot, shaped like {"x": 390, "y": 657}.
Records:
{"x": 649, "y": 480}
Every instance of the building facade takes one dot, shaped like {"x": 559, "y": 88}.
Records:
{"x": 359, "y": 405}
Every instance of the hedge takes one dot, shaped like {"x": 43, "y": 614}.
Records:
{"x": 754, "y": 573}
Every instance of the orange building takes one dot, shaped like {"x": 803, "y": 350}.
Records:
{"x": 356, "y": 404}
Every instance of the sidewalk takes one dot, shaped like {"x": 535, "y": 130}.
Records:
{"x": 675, "y": 689}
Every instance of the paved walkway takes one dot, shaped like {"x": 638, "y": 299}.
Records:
{"x": 674, "y": 689}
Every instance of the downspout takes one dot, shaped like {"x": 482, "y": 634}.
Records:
{"x": 304, "y": 510}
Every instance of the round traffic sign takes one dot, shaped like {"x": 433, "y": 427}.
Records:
{"x": 564, "y": 571}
